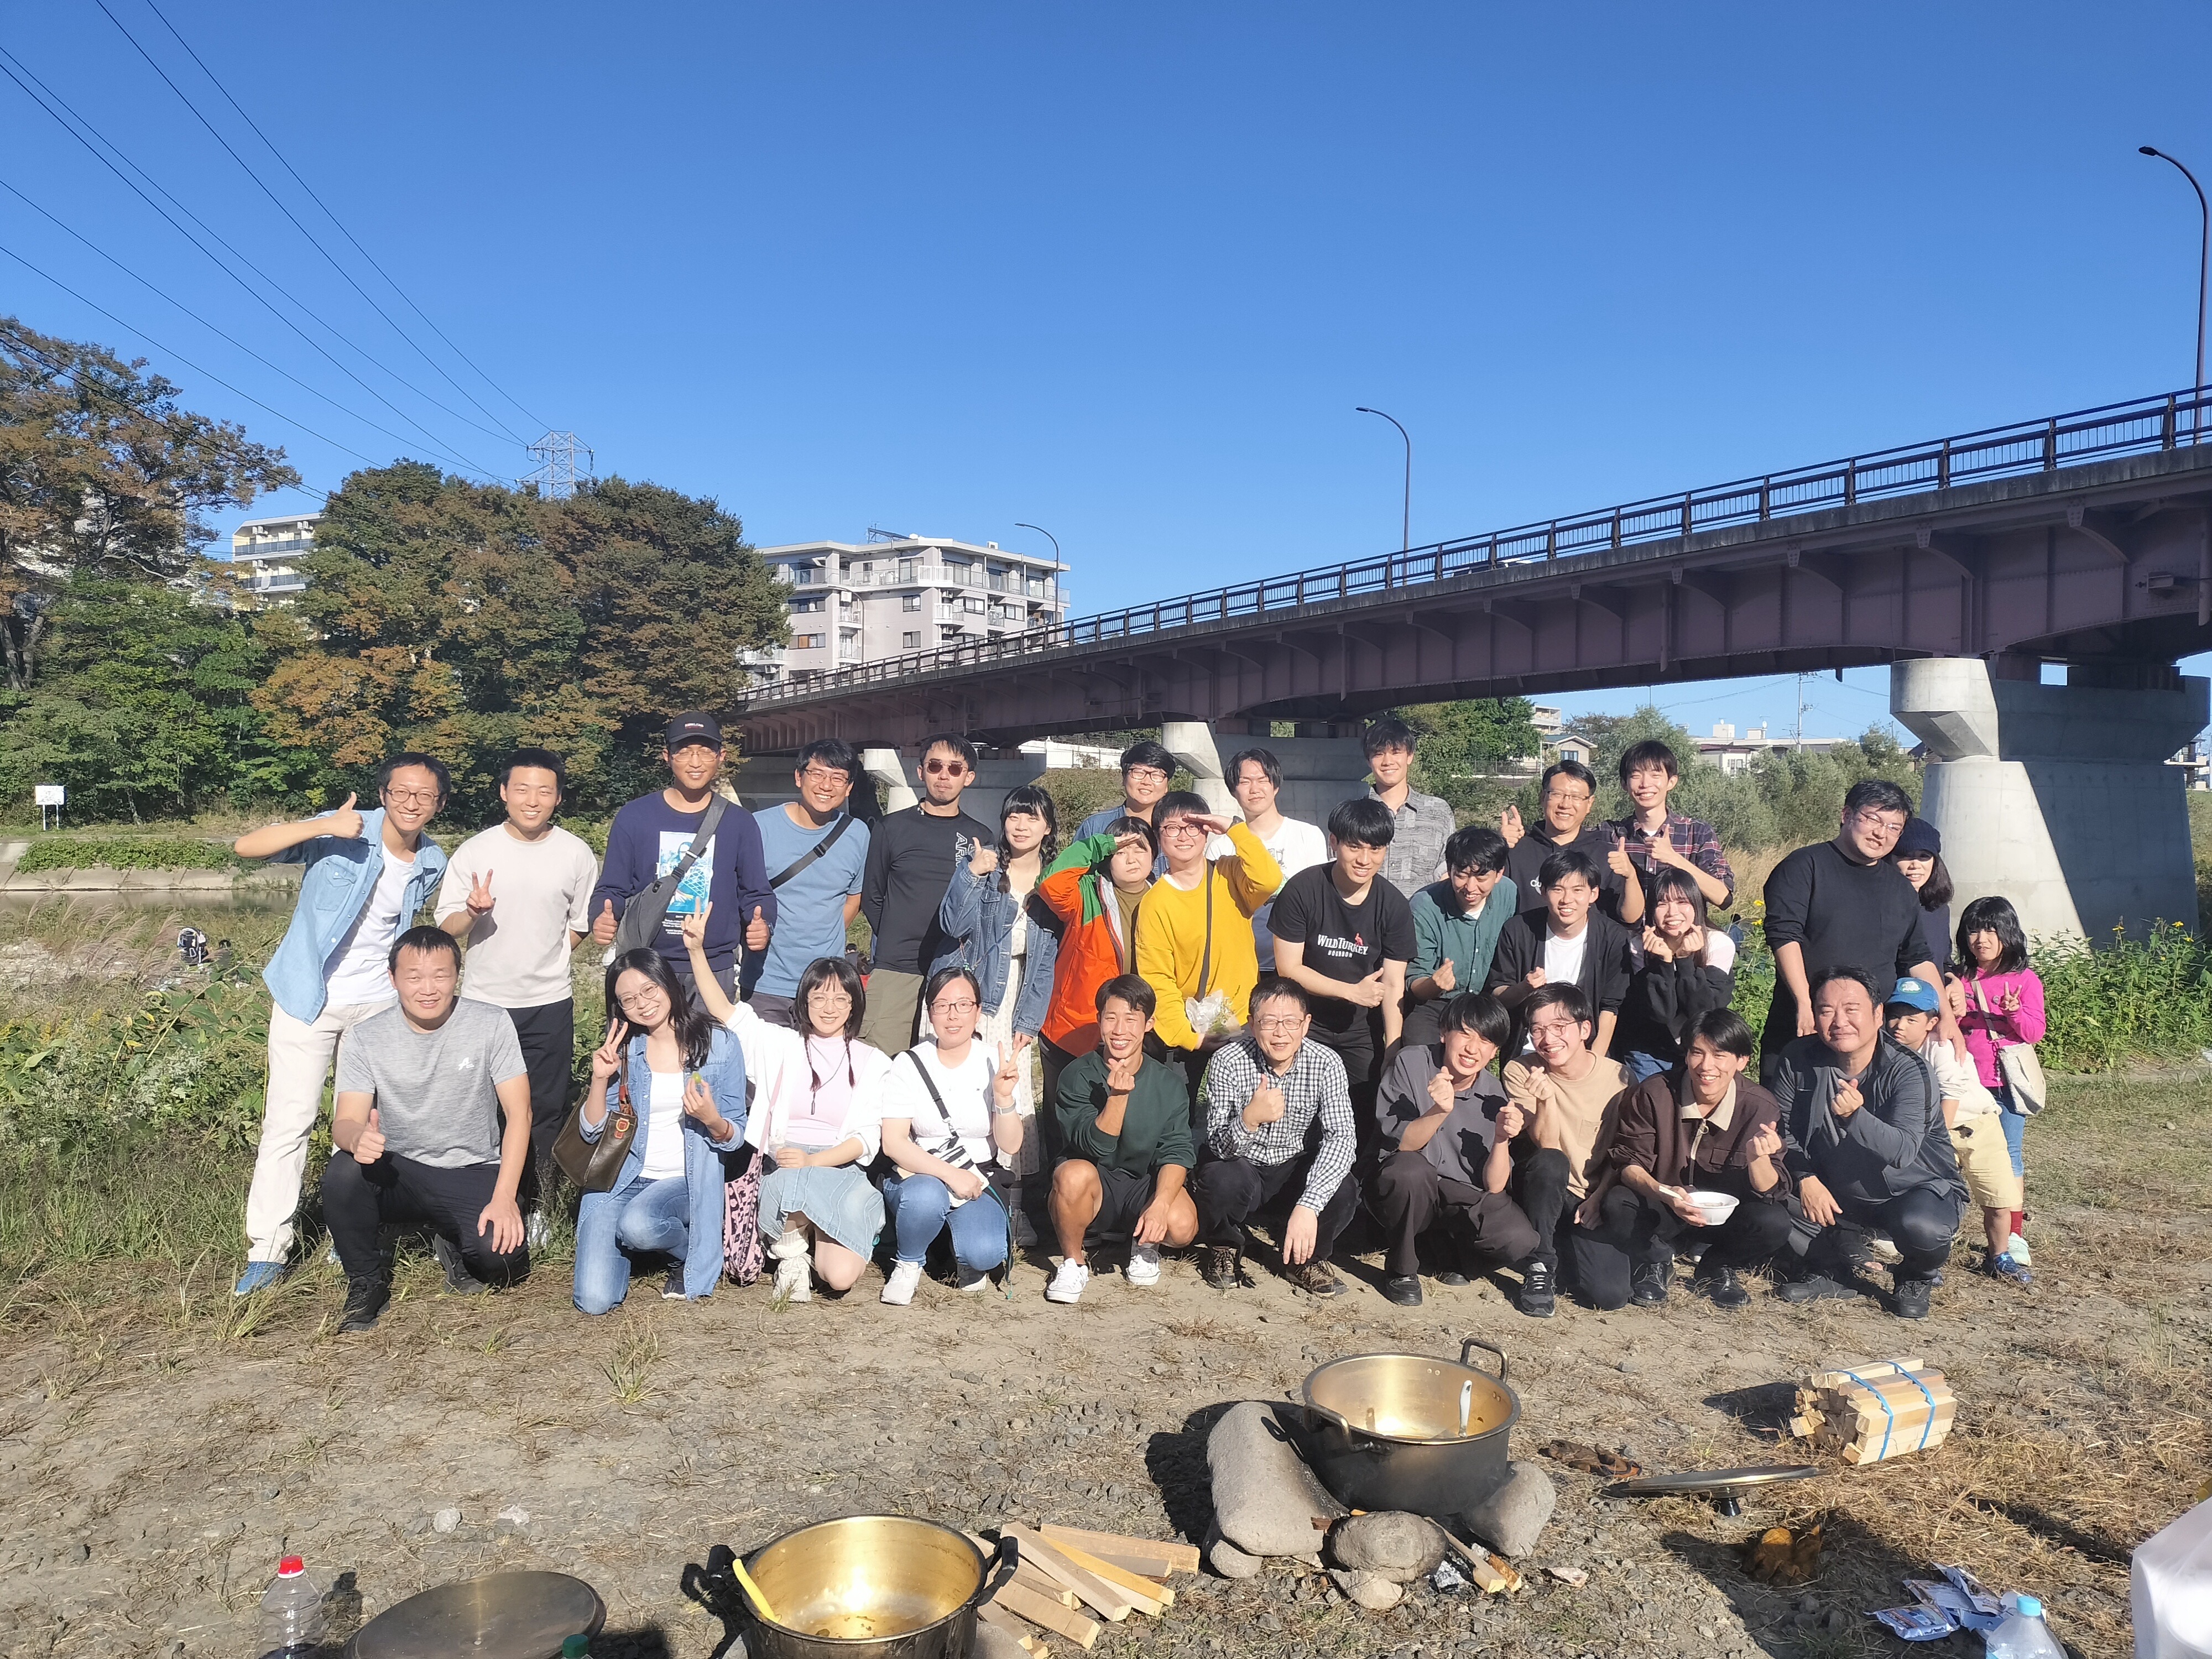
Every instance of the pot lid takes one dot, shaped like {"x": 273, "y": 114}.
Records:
{"x": 1710, "y": 1481}
{"x": 502, "y": 1615}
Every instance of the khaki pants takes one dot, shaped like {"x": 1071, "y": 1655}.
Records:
{"x": 300, "y": 1056}
{"x": 894, "y": 1004}
{"x": 1987, "y": 1166}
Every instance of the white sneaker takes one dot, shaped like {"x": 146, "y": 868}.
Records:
{"x": 2018, "y": 1251}
{"x": 1144, "y": 1269}
{"x": 898, "y": 1289}
{"x": 793, "y": 1282}
{"x": 975, "y": 1279}
{"x": 1067, "y": 1283}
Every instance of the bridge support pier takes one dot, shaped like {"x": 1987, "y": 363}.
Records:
{"x": 1317, "y": 772}
{"x": 892, "y": 771}
{"x": 2057, "y": 797}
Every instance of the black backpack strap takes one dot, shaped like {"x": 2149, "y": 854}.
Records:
{"x": 811, "y": 854}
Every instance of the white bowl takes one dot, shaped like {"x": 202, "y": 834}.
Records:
{"x": 1717, "y": 1207}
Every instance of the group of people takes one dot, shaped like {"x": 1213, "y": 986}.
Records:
{"x": 1508, "y": 1047}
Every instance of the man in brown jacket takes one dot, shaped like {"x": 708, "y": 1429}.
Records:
{"x": 1706, "y": 1130}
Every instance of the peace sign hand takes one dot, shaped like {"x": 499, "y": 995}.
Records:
{"x": 1508, "y": 825}
{"x": 1008, "y": 1072}
{"x": 694, "y": 927}
{"x": 480, "y": 898}
{"x": 607, "y": 1058}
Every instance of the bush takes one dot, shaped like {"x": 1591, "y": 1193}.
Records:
{"x": 2134, "y": 999}
{"x": 71, "y": 853}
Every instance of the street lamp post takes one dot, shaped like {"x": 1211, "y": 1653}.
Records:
{"x": 2204, "y": 276}
{"x": 1056, "y": 560}
{"x": 1406, "y": 531}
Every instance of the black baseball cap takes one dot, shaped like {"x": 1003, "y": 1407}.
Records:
{"x": 694, "y": 726}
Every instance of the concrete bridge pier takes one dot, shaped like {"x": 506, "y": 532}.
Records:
{"x": 892, "y": 771}
{"x": 2057, "y": 797}
{"x": 1318, "y": 772}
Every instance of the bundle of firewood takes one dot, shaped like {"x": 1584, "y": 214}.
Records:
{"x": 1065, "y": 1575}
{"x": 1875, "y": 1409}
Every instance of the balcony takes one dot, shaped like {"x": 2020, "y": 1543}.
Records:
{"x": 270, "y": 549}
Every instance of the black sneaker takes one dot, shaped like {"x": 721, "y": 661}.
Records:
{"x": 1404, "y": 1289}
{"x": 1538, "y": 1297}
{"x": 1450, "y": 1271}
{"x": 1221, "y": 1267}
{"x": 1815, "y": 1287}
{"x": 365, "y": 1300}
{"x": 1911, "y": 1299}
{"x": 1725, "y": 1288}
{"x": 460, "y": 1281}
{"x": 672, "y": 1288}
{"x": 1648, "y": 1282}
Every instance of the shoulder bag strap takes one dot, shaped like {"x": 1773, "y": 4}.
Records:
{"x": 930, "y": 1083}
{"x": 811, "y": 854}
{"x": 1205, "y": 960}
{"x": 715, "y": 808}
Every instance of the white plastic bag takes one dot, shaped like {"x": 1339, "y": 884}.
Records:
{"x": 2170, "y": 1589}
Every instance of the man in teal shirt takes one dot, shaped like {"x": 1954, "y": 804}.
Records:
{"x": 1457, "y": 922}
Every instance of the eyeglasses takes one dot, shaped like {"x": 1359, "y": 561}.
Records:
{"x": 1281, "y": 1023}
{"x": 410, "y": 797}
{"x": 1565, "y": 795}
{"x": 829, "y": 993}
{"x": 823, "y": 774}
{"x": 1560, "y": 1028}
{"x": 1182, "y": 829}
{"x": 951, "y": 769}
{"x": 965, "y": 1005}
{"x": 644, "y": 997}
{"x": 1144, "y": 775}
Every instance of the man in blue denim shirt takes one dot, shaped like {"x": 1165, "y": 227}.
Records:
{"x": 368, "y": 875}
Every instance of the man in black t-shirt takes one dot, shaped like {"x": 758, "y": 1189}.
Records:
{"x": 1344, "y": 936}
{"x": 910, "y": 866}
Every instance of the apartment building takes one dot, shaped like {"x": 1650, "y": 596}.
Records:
{"x": 863, "y": 602}
{"x": 267, "y": 552}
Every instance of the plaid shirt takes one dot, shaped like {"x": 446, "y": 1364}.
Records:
{"x": 1315, "y": 1086}
{"x": 1693, "y": 838}
{"x": 1420, "y": 828}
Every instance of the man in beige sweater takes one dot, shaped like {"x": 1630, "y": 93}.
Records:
{"x": 1566, "y": 1094}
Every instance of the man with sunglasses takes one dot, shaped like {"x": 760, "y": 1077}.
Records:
{"x": 910, "y": 856}
{"x": 367, "y": 875}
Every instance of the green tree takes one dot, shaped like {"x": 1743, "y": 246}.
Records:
{"x": 1460, "y": 747}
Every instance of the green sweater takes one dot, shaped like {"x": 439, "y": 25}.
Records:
{"x": 1155, "y": 1123}
{"x": 1441, "y": 931}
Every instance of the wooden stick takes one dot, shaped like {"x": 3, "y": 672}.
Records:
{"x": 1150, "y": 1598}
{"x": 1172, "y": 1557}
{"x": 991, "y": 1613}
{"x": 1147, "y": 1567}
{"x": 1027, "y": 1576}
{"x": 1061, "y": 1621}
{"x": 1114, "y": 1604}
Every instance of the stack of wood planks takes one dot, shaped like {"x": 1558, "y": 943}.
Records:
{"x": 1875, "y": 1409}
{"x": 1068, "y": 1580}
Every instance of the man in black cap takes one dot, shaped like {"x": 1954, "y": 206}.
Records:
{"x": 653, "y": 836}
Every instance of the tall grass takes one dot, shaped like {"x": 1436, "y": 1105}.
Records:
{"x": 2134, "y": 999}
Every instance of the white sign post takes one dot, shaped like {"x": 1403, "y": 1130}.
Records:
{"x": 49, "y": 798}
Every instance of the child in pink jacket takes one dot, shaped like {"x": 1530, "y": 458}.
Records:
{"x": 2004, "y": 1008}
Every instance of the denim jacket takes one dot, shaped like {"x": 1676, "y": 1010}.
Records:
{"x": 723, "y": 1075}
{"x": 981, "y": 920}
{"x": 341, "y": 876}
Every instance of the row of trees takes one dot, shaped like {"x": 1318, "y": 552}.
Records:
{"x": 456, "y": 618}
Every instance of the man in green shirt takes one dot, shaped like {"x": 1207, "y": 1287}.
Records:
{"x": 1457, "y": 922}
{"x": 1126, "y": 1147}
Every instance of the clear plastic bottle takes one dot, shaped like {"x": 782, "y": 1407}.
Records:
{"x": 291, "y": 1623}
{"x": 2023, "y": 1635}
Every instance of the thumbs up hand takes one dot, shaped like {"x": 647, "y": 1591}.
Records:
{"x": 756, "y": 932}
{"x": 1617, "y": 859}
{"x": 603, "y": 926}
{"x": 345, "y": 822}
{"x": 369, "y": 1145}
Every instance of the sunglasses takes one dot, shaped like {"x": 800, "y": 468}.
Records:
{"x": 937, "y": 768}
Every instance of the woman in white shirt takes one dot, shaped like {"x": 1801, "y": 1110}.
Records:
{"x": 950, "y": 1121}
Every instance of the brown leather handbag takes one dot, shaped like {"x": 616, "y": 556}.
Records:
{"x": 595, "y": 1165}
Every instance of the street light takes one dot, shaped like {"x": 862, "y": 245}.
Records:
{"x": 2203, "y": 274}
{"x": 1056, "y": 559}
{"x": 1406, "y": 531}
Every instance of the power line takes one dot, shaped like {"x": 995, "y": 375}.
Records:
{"x": 342, "y": 231}
{"x": 312, "y": 241}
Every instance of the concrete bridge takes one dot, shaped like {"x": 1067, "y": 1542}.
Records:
{"x": 1970, "y": 562}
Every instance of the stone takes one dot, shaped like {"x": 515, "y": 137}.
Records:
{"x": 514, "y": 1517}
{"x": 1391, "y": 1542}
{"x": 992, "y": 1643}
{"x": 1370, "y": 1589}
{"x": 1265, "y": 1498}
{"x": 446, "y": 1521}
{"x": 1225, "y": 1559}
{"x": 1511, "y": 1519}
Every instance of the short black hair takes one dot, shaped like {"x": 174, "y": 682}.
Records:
{"x": 1567, "y": 861}
{"x": 1477, "y": 848}
{"x": 425, "y": 938}
{"x": 1387, "y": 732}
{"x": 1858, "y": 976}
{"x": 952, "y": 740}
{"x": 1936, "y": 891}
{"x": 834, "y": 753}
{"x": 1133, "y": 988}
{"x": 1270, "y": 767}
{"x": 430, "y": 763}
{"x": 1649, "y": 752}
{"x": 1129, "y": 826}
{"x": 1996, "y": 916}
{"x": 1280, "y": 990}
{"x": 1569, "y": 997}
{"x": 944, "y": 977}
{"x": 1727, "y": 1030}
{"x": 542, "y": 759}
{"x": 1362, "y": 821}
{"x": 1570, "y": 767}
{"x": 1479, "y": 1012}
{"x": 1181, "y": 804}
{"x": 1876, "y": 795}
{"x": 1147, "y": 752}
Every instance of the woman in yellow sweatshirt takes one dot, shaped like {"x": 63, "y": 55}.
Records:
{"x": 1173, "y": 953}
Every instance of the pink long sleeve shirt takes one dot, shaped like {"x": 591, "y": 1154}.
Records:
{"x": 1986, "y": 1033}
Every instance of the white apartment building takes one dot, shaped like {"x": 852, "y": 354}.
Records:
{"x": 1734, "y": 754}
{"x": 856, "y": 604}
{"x": 267, "y": 552}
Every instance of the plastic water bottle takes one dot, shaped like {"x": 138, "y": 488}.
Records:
{"x": 291, "y": 1623}
{"x": 2023, "y": 1635}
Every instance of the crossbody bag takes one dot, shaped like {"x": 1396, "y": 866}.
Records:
{"x": 639, "y": 928}
{"x": 2018, "y": 1064}
{"x": 811, "y": 854}
{"x": 1203, "y": 1021}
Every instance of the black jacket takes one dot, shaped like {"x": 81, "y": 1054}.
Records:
{"x": 1665, "y": 1000}
{"x": 1895, "y": 1142}
{"x": 1607, "y": 962}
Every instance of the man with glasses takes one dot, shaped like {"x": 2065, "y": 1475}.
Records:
{"x": 1261, "y": 1098}
{"x": 1566, "y": 1093}
{"x": 1420, "y": 824}
{"x": 1256, "y": 778}
{"x": 818, "y": 855}
{"x": 910, "y": 857}
{"x": 368, "y": 874}
{"x": 1148, "y": 769}
{"x": 1842, "y": 904}
{"x": 1568, "y": 792}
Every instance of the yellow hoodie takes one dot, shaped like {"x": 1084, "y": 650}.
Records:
{"x": 1171, "y": 936}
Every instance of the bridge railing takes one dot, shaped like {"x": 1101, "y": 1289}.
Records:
{"x": 2142, "y": 425}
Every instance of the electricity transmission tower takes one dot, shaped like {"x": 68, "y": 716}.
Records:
{"x": 557, "y": 474}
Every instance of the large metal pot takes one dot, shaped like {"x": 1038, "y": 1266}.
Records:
{"x": 1406, "y": 1432}
{"x": 870, "y": 1587}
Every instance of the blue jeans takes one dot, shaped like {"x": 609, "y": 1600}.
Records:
{"x": 639, "y": 1216}
{"x": 2015, "y": 1126}
{"x": 1641, "y": 1065}
{"x": 920, "y": 1208}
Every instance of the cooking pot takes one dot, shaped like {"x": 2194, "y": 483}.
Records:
{"x": 1406, "y": 1432}
{"x": 870, "y": 1587}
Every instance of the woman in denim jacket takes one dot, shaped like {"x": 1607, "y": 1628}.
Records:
{"x": 687, "y": 1088}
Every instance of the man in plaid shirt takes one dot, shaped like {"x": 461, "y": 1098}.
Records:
{"x": 1651, "y": 836}
{"x": 1260, "y": 1099}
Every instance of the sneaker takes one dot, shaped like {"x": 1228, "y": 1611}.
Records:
{"x": 1911, "y": 1299}
{"x": 671, "y": 1287}
{"x": 1314, "y": 1279}
{"x": 974, "y": 1279}
{"x": 1144, "y": 1269}
{"x": 1221, "y": 1267}
{"x": 460, "y": 1281}
{"x": 1067, "y": 1283}
{"x": 536, "y": 1230}
{"x": 366, "y": 1299}
{"x": 898, "y": 1289}
{"x": 1404, "y": 1289}
{"x": 794, "y": 1279}
{"x": 1726, "y": 1289}
{"x": 1815, "y": 1287}
{"x": 2018, "y": 1251}
{"x": 1883, "y": 1248}
{"x": 1648, "y": 1282}
{"x": 2007, "y": 1268}
{"x": 1538, "y": 1297}
{"x": 259, "y": 1276}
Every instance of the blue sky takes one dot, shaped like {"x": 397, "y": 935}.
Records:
{"x": 1124, "y": 272}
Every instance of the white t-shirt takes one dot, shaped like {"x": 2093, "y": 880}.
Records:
{"x": 966, "y": 1092}
{"x": 518, "y": 956}
{"x": 663, "y": 1128}
{"x": 1563, "y": 958}
{"x": 363, "y": 973}
{"x": 1295, "y": 845}
{"x": 1720, "y": 949}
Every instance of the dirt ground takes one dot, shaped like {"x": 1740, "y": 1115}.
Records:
{"x": 159, "y": 1449}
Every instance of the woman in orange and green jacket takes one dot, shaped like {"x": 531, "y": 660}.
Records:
{"x": 1093, "y": 888}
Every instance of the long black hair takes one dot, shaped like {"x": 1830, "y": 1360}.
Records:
{"x": 818, "y": 973}
{"x": 1670, "y": 881}
{"x": 695, "y": 1032}
{"x": 1028, "y": 797}
{"x": 1993, "y": 915}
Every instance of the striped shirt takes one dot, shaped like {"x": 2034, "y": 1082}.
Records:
{"x": 1314, "y": 1086}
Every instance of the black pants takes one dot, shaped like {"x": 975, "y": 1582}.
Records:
{"x": 774, "y": 1010}
{"x": 1425, "y": 1021}
{"x": 1540, "y": 1187}
{"x": 1633, "y": 1230}
{"x": 725, "y": 975}
{"x": 1922, "y": 1223}
{"x": 358, "y": 1199}
{"x": 1412, "y": 1195}
{"x": 1231, "y": 1190}
{"x": 548, "y": 1036}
